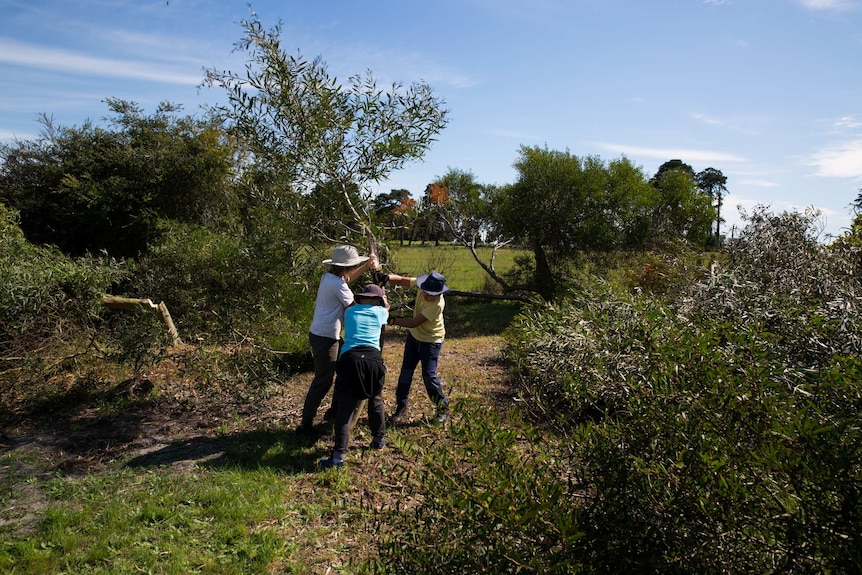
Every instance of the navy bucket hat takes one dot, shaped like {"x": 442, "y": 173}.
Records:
{"x": 433, "y": 283}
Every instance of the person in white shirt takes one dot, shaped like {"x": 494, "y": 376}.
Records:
{"x": 333, "y": 297}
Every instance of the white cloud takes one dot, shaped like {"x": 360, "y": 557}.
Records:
{"x": 9, "y": 136}
{"x": 390, "y": 64}
{"x": 839, "y": 161}
{"x": 759, "y": 183}
{"x": 836, "y": 5}
{"x": 706, "y": 119}
{"x": 686, "y": 155}
{"x": 30, "y": 55}
{"x": 848, "y": 122}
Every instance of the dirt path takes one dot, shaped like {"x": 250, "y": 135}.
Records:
{"x": 187, "y": 422}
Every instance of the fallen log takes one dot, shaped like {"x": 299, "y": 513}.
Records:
{"x": 481, "y": 295}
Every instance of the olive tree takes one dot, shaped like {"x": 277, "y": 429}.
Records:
{"x": 306, "y": 130}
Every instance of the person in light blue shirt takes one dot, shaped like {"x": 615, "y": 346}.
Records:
{"x": 360, "y": 371}
{"x": 333, "y": 297}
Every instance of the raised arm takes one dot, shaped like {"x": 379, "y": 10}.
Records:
{"x": 353, "y": 274}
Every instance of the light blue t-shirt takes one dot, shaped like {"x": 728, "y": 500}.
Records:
{"x": 362, "y": 324}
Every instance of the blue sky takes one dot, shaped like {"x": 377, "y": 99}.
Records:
{"x": 767, "y": 91}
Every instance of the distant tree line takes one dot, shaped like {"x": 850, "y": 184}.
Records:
{"x": 292, "y": 157}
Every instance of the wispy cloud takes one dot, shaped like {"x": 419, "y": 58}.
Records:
{"x": 394, "y": 65}
{"x": 707, "y": 119}
{"x": 712, "y": 121}
{"x": 834, "y": 5}
{"x": 848, "y": 122}
{"x": 840, "y": 161}
{"x": 9, "y": 135}
{"x": 686, "y": 155}
{"x": 511, "y": 134}
{"x": 758, "y": 183}
{"x": 34, "y": 56}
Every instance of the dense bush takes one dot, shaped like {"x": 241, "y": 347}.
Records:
{"x": 46, "y": 295}
{"x": 50, "y": 304}
{"x": 218, "y": 284}
{"x": 578, "y": 359}
{"x": 91, "y": 189}
{"x": 718, "y": 434}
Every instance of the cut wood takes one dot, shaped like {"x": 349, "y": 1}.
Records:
{"x": 131, "y": 304}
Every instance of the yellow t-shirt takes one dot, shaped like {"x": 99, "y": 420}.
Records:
{"x": 433, "y": 330}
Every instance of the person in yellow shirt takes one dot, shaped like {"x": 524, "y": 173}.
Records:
{"x": 424, "y": 341}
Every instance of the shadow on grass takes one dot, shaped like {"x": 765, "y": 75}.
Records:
{"x": 280, "y": 450}
{"x": 468, "y": 317}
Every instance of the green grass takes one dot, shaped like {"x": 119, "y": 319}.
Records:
{"x": 454, "y": 261}
{"x": 217, "y": 518}
{"x": 465, "y": 316}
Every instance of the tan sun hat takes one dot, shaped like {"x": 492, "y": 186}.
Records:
{"x": 346, "y": 256}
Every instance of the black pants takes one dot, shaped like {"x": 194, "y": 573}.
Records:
{"x": 361, "y": 373}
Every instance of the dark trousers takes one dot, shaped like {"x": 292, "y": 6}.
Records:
{"x": 361, "y": 373}
{"x": 324, "y": 350}
{"x": 428, "y": 354}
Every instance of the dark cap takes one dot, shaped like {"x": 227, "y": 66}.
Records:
{"x": 371, "y": 290}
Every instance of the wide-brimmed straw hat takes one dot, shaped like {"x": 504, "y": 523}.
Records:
{"x": 433, "y": 283}
{"x": 345, "y": 256}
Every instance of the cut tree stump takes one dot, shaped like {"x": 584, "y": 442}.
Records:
{"x": 131, "y": 304}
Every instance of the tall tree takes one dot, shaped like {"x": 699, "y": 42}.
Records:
{"x": 104, "y": 188}
{"x": 673, "y": 165}
{"x": 712, "y": 182}
{"x": 308, "y": 130}
{"x": 561, "y": 205}
{"x": 682, "y": 210}
{"x": 432, "y": 206}
{"x": 464, "y": 207}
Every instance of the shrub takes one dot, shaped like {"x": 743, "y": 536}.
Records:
{"x": 49, "y": 303}
{"x": 46, "y": 296}
{"x": 220, "y": 285}
{"x": 579, "y": 358}
{"x": 734, "y": 444}
{"x": 491, "y": 502}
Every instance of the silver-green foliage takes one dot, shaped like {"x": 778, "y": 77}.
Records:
{"x": 45, "y": 294}
{"x": 580, "y": 357}
{"x": 718, "y": 433}
{"x": 304, "y": 129}
{"x": 732, "y": 442}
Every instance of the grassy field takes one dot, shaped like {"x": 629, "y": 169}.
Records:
{"x": 454, "y": 261}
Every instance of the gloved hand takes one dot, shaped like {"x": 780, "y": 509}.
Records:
{"x": 379, "y": 278}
